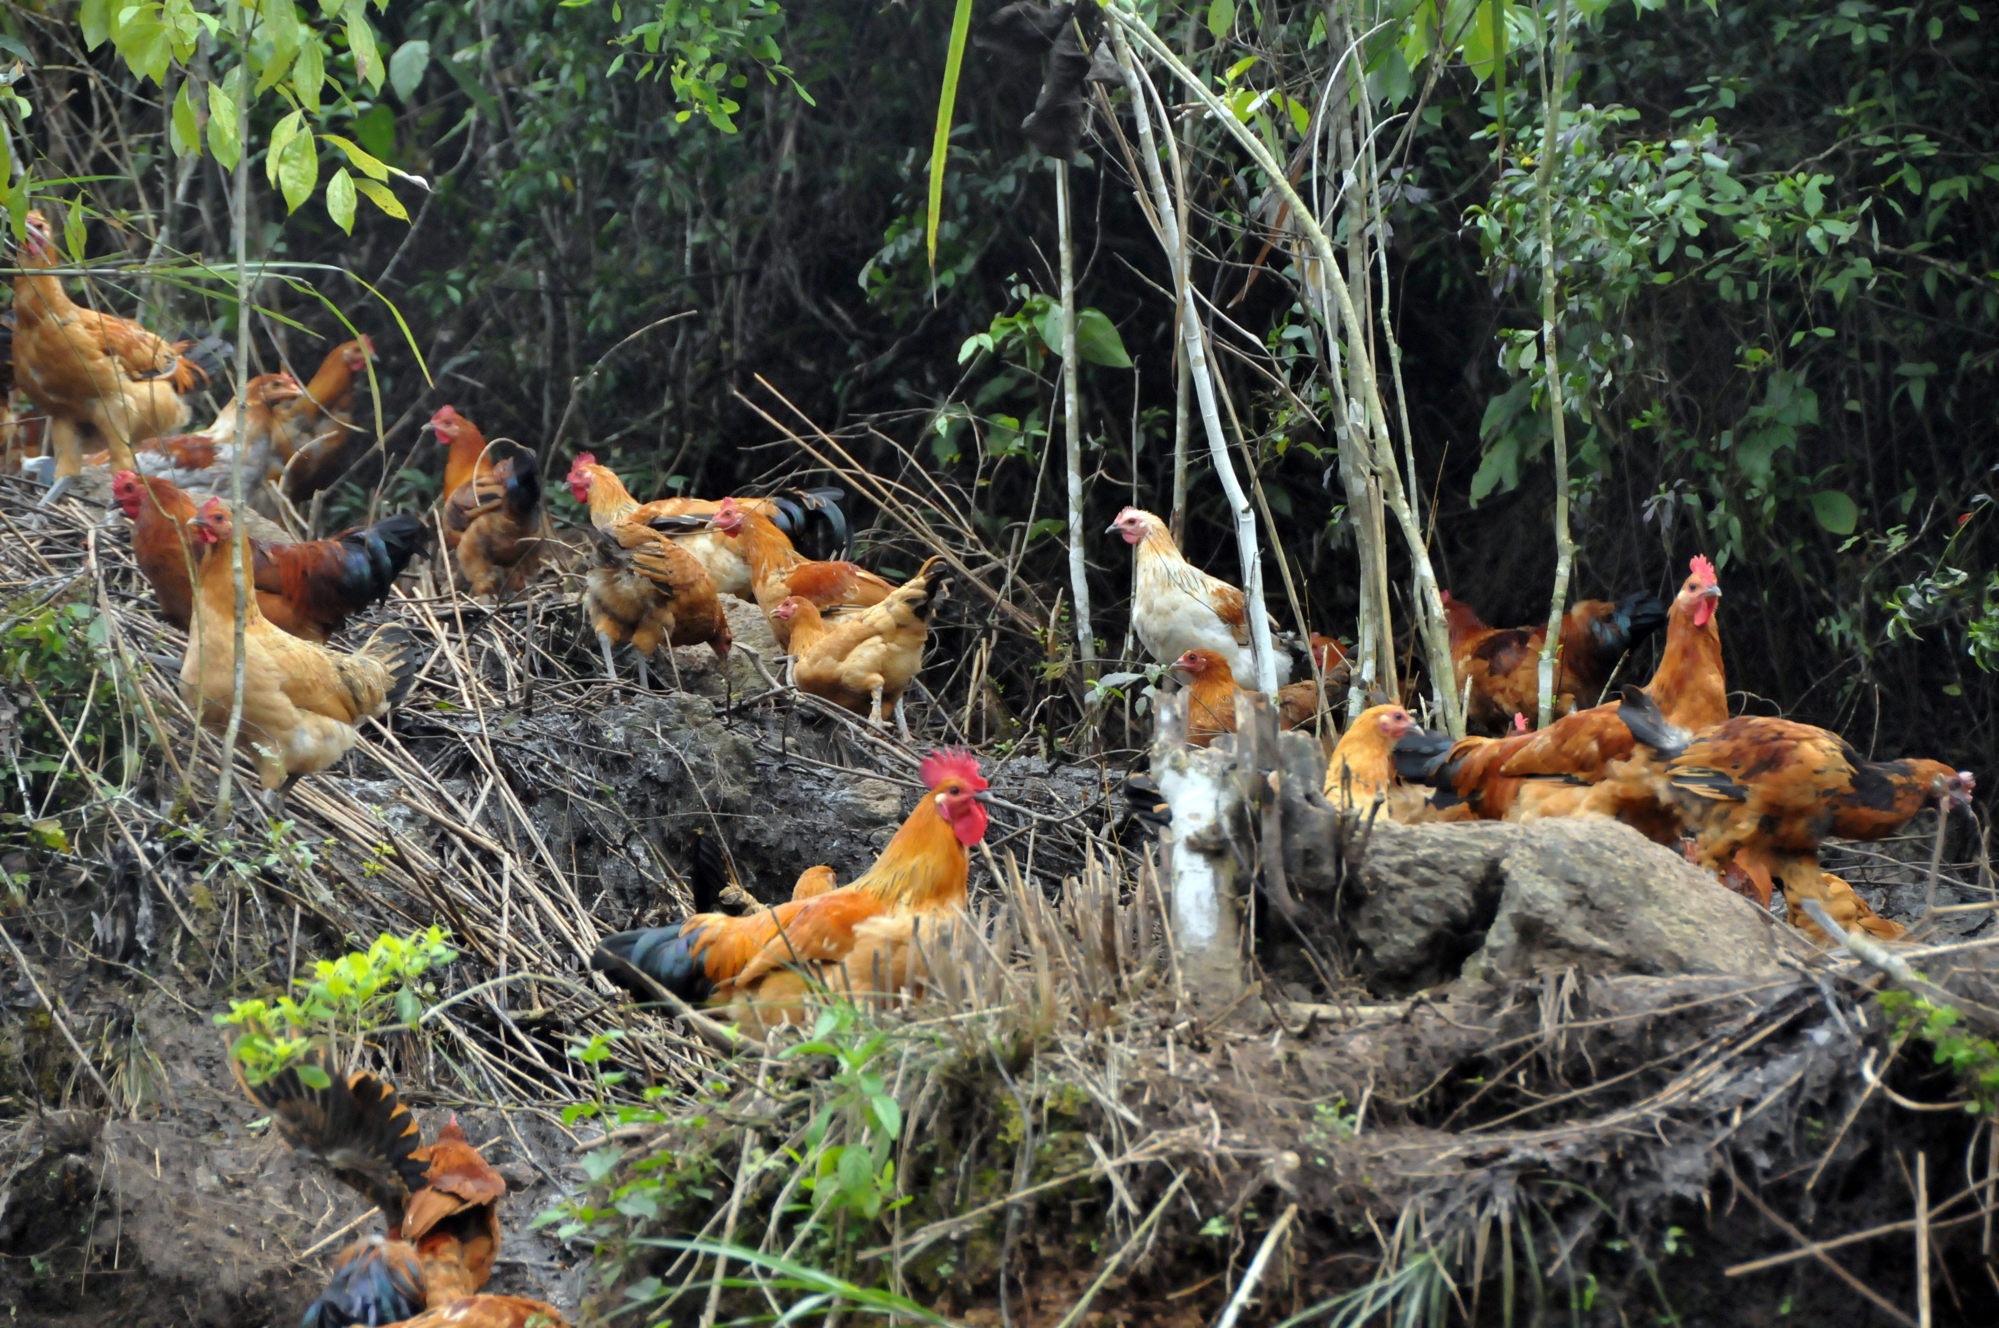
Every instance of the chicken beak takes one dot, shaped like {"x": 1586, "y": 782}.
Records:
{"x": 982, "y": 796}
{"x": 1712, "y": 592}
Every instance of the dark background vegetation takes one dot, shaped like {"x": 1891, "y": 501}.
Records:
{"x": 1780, "y": 284}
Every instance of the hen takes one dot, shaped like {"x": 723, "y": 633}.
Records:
{"x": 645, "y": 589}
{"x": 1301, "y": 702}
{"x": 205, "y": 460}
{"x": 1211, "y": 695}
{"x": 301, "y": 701}
{"x": 1363, "y": 763}
{"x": 492, "y": 522}
{"x": 97, "y": 377}
{"x": 1755, "y": 789}
{"x": 868, "y": 659}
{"x": 1492, "y": 775}
{"x": 314, "y": 433}
{"x": 858, "y": 937}
{"x": 1501, "y": 666}
{"x": 778, "y": 571}
{"x": 1177, "y": 607}
{"x": 309, "y": 590}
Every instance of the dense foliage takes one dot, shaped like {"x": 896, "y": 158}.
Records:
{"x": 1774, "y": 224}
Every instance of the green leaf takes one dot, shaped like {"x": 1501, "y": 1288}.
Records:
{"x": 222, "y": 138}
{"x": 309, "y": 72}
{"x": 361, "y": 41}
{"x": 94, "y": 17}
{"x": 298, "y": 170}
{"x": 940, "y": 143}
{"x": 381, "y": 197}
{"x": 1097, "y": 340}
{"x": 368, "y": 164}
{"x": 313, "y": 1077}
{"x": 407, "y": 66}
{"x": 282, "y": 135}
{"x": 184, "y": 131}
{"x": 281, "y": 25}
{"x": 1835, "y": 511}
{"x": 340, "y": 200}
{"x": 1221, "y": 18}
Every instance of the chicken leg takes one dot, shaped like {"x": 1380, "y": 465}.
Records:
{"x": 610, "y": 667}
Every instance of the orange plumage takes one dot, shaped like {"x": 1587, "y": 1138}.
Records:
{"x": 1489, "y": 774}
{"x": 1363, "y": 763}
{"x": 308, "y": 590}
{"x": 94, "y": 375}
{"x": 490, "y": 1312}
{"x": 730, "y": 960}
{"x": 1211, "y": 695}
{"x": 314, "y": 432}
{"x": 867, "y": 661}
{"x": 778, "y": 571}
{"x": 1501, "y": 666}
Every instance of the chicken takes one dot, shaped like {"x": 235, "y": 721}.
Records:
{"x": 843, "y": 936}
{"x": 599, "y": 489}
{"x": 315, "y": 431}
{"x": 644, "y": 588}
{"x": 205, "y": 460}
{"x": 492, "y": 522}
{"x": 301, "y": 701}
{"x": 97, "y": 377}
{"x": 1301, "y": 702}
{"x": 778, "y": 571}
{"x": 1211, "y": 695}
{"x": 1177, "y": 607}
{"x": 1755, "y": 788}
{"x": 309, "y": 590}
{"x": 1363, "y": 764}
{"x": 440, "y": 1201}
{"x": 1802, "y": 879}
{"x": 1502, "y": 666}
{"x": 466, "y": 457}
{"x": 1491, "y": 775}
{"x": 867, "y": 660}
{"x": 490, "y": 1312}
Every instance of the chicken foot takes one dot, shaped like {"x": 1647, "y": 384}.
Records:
{"x": 610, "y": 666}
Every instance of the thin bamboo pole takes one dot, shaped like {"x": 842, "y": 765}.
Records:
{"x": 1072, "y": 429}
{"x": 1553, "y": 94}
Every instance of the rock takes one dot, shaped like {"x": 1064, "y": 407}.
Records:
{"x": 1491, "y": 902}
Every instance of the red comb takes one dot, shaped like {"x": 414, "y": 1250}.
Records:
{"x": 952, "y": 763}
{"x": 1703, "y": 569}
{"x": 444, "y": 412}
{"x": 584, "y": 459}
{"x": 1519, "y": 722}
{"x": 213, "y": 507}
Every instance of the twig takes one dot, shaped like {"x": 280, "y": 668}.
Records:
{"x": 1254, "y": 1273}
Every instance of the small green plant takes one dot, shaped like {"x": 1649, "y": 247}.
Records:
{"x": 848, "y": 1142}
{"x": 59, "y": 718}
{"x": 350, "y": 996}
{"x": 1975, "y": 1060}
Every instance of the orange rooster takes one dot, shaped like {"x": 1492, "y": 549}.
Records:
{"x": 314, "y": 431}
{"x": 857, "y": 937}
{"x": 1502, "y": 665}
{"x": 644, "y": 588}
{"x": 866, "y": 661}
{"x": 777, "y": 570}
{"x": 1755, "y": 789}
{"x": 95, "y": 376}
{"x": 309, "y": 590}
{"x": 1177, "y": 607}
{"x": 490, "y": 1312}
{"x": 1490, "y": 774}
{"x": 440, "y": 1201}
{"x": 301, "y": 701}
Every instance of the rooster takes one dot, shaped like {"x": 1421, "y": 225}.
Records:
{"x": 314, "y": 430}
{"x": 1178, "y": 607}
{"x": 309, "y": 590}
{"x": 1756, "y": 789}
{"x": 1502, "y": 665}
{"x": 645, "y": 589}
{"x": 301, "y": 701}
{"x": 95, "y": 376}
{"x": 777, "y": 570}
{"x": 859, "y": 936}
{"x": 492, "y": 522}
{"x": 440, "y": 1201}
{"x": 1490, "y": 774}
{"x": 867, "y": 661}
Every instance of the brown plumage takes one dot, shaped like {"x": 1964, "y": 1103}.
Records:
{"x": 778, "y": 571}
{"x": 1299, "y": 703}
{"x": 492, "y": 520}
{"x": 101, "y": 380}
{"x": 1211, "y": 695}
{"x": 868, "y": 659}
{"x": 315, "y": 431}
{"x": 308, "y": 589}
{"x": 643, "y": 588}
{"x": 490, "y": 1312}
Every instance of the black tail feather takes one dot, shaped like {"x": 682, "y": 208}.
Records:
{"x": 653, "y": 957}
{"x": 1641, "y": 715}
{"x": 392, "y": 542}
{"x": 708, "y": 870}
{"x": 355, "y": 1126}
{"x": 795, "y": 510}
{"x": 523, "y": 492}
{"x": 1422, "y": 756}
{"x": 212, "y": 356}
{"x": 375, "y": 1281}
{"x": 1638, "y": 616}
{"x": 399, "y": 651}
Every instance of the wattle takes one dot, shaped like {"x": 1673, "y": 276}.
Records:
{"x": 1702, "y": 612}
{"x": 969, "y": 825}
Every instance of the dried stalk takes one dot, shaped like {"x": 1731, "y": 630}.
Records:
{"x": 1072, "y": 429}
{"x": 1553, "y": 93}
{"x": 239, "y": 561}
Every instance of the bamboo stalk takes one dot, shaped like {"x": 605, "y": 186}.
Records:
{"x": 1554, "y": 91}
{"x": 1072, "y": 429}
{"x": 239, "y": 562}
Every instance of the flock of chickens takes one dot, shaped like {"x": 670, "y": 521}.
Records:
{"x": 1751, "y": 798}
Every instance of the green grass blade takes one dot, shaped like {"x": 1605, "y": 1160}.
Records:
{"x": 954, "y": 60}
